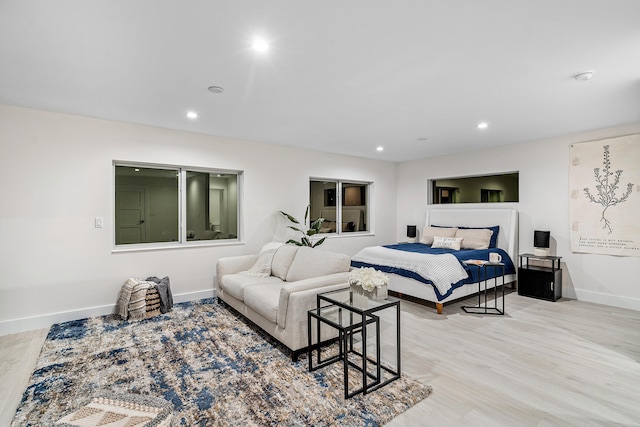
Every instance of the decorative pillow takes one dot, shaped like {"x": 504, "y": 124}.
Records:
{"x": 494, "y": 237}
{"x": 282, "y": 260}
{"x": 475, "y": 238}
{"x": 447, "y": 242}
{"x": 428, "y": 233}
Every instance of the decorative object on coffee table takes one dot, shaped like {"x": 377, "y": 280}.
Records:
{"x": 368, "y": 281}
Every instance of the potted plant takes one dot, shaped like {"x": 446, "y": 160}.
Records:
{"x": 314, "y": 228}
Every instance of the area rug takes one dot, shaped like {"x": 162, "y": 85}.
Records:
{"x": 213, "y": 368}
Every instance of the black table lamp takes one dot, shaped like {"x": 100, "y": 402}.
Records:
{"x": 411, "y": 233}
{"x": 541, "y": 242}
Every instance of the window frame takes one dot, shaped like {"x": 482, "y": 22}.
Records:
{"x": 368, "y": 196}
{"x": 480, "y": 180}
{"x": 182, "y": 241}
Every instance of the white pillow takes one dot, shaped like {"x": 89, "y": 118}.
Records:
{"x": 447, "y": 242}
{"x": 282, "y": 260}
{"x": 428, "y": 233}
{"x": 475, "y": 238}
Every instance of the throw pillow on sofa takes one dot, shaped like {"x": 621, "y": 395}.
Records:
{"x": 282, "y": 260}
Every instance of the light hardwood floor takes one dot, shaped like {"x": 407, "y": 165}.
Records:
{"x": 567, "y": 363}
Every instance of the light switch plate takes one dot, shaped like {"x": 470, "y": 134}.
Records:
{"x": 98, "y": 222}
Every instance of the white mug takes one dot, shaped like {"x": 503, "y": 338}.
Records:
{"x": 494, "y": 257}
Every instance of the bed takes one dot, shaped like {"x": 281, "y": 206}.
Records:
{"x": 408, "y": 279}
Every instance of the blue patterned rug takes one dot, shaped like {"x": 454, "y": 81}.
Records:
{"x": 208, "y": 363}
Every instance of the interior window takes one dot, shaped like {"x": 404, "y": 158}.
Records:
{"x": 146, "y": 205}
{"x": 149, "y": 208}
{"x": 496, "y": 188}
{"x": 342, "y": 204}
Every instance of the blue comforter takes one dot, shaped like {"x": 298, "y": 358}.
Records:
{"x": 475, "y": 274}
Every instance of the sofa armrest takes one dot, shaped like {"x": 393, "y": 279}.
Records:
{"x": 315, "y": 285}
{"x": 296, "y": 318}
{"x": 234, "y": 264}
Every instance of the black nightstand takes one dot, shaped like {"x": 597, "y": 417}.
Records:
{"x": 540, "y": 282}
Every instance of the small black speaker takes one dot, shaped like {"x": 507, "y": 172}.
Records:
{"x": 411, "y": 230}
{"x": 541, "y": 239}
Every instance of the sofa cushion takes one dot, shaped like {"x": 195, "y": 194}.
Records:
{"x": 311, "y": 262}
{"x": 263, "y": 299}
{"x": 282, "y": 260}
{"x": 235, "y": 284}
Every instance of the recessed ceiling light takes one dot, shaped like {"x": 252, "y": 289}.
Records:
{"x": 215, "y": 89}
{"x": 583, "y": 77}
{"x": 483, "y": 125}
{"x": 379, "y": 148}
{"x": 260, "y": 45}
{"x": 192, "y": 115}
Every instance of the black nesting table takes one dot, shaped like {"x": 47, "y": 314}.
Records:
{"x": 353, "y": 317}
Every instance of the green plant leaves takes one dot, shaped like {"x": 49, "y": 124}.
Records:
{"x": 314, "y": 229}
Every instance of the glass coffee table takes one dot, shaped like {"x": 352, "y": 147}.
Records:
{"x": 353, "y": 322}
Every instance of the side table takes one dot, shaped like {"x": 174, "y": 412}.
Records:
{"x": 537, "y": 281}
{"x": 484, "y": 269}
{"x": 351, "y": 314}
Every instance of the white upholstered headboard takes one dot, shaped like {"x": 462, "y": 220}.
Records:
{"x": 507, "y": 219}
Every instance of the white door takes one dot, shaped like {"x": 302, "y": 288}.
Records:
{"x": 130, "y": 215}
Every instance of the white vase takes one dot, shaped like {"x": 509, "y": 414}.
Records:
{"x": 377, "y": 294}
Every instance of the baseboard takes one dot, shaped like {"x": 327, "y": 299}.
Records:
{"x": 608, "y": 299}
{"x": 15, "y": 326}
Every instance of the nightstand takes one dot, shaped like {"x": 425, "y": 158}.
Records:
{"x": 540, "y": 281}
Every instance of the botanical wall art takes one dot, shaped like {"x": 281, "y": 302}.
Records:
{"x": 605, "y": 196}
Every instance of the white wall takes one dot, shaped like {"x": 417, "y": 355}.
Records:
{"x": 58, "y": 176}
{"x": 543, "y": 204}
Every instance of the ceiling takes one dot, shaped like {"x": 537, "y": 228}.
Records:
{"x": 414, "y": 77}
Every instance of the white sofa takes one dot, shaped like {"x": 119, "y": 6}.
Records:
{"x": 276, "y": 288}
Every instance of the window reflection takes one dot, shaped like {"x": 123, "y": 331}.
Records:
{"x": 342, "y": 204}
{"x": 497, "y": 188}
{"x": 147, "y": 205}
{"x": 212, "y": 208}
